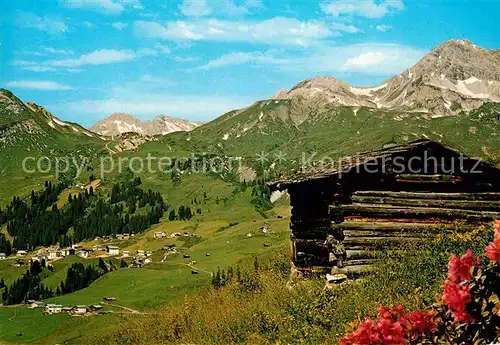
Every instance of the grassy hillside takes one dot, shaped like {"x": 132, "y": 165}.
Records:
{"x": 229, "y": 212}
{"x": 157, "y": 284}
{"x": 27, "y": 130}
{"x": 261, "y": 307}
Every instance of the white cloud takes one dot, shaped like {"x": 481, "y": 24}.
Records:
{"x": 58, "y": 51}
{"x": 148, "y": 78}
{"x": 240, "y": 58}
{"x": 102, "y": 6}
{"x": 31, "y": 66}
{"x": 39, "y": 68}
{"x": 383, "y": 27}
{"x": 345, "y": 28}
{"x": 370, "y": 59}
{"x": 87, "y": 24}
{"x": 363, "y": 8}
{"x": 364, "y": 60}
{"x": 195, "y": 8}
{"x": 185, "y": 58}
{"x": 51, "y": 25}
{"x": 96, "y": 57}
{"x": 382, "y": 59}
{"x": 230, "y": 8}
{"x": 119, "y": 25}
{"x": 278, "y": 30}
{"x": 43, "y": 85}
{"x": 201, "y": 8}
{"x": 101, "y": 57}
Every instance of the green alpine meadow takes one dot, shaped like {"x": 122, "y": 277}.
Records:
{"x": 207, "y": 172}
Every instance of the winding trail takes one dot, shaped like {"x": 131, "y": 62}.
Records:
{"x": 197, "y": 269}
{"x": 111, "y": 152}
{"x": 130, "y": 310}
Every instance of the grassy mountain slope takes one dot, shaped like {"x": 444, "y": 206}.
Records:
{"x": 290, "y": 126}
{"x": 294, "y": 128}
{"x": 28, "y": 130}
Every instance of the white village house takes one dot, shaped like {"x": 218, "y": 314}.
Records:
{"x": 55, "y": 254}
{"x": 83, "y": 253}
{"x": 79, "y": 309}
{"x": 21, "y": 253}
{"x": 3, "y": 256}
{"x": 113, "y": 250}
{"x": 32, "y": 304}
{"x": 68, "y": 251}
{"x": 160, "y": 234}
{"x": 98, "y": 247}
{"x": 53, "y": 308}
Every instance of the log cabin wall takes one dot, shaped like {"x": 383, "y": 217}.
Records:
{"x": 311, "y": 225}
{"x": 380, "y": 221}
{"x": 343, "y": 222}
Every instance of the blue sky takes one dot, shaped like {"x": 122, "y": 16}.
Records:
{"x": 85, "y": 59}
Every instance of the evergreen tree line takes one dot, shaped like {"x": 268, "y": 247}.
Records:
{"x": 220, "y": 278}
{"x": 261, "y": 196}
{"x": 28, "y": 286}
{"x": 246, "y": 280}
{"x": 42, "y": 223}
{"x": 120, "y": 214}
{"x": 183, "y": 213}
{"x": 19, "y": 208}
{"x": 5, "y": 246}
{"x": 80, "y": 276}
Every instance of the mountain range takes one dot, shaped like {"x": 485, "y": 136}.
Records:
{"x": 455, "y": 76}
{"x": 119, "y": 123}
{"x": 451, "y": 95}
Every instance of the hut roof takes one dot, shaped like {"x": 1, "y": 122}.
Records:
{"x": 347, "y": 163}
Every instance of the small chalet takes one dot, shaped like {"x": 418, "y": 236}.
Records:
{"x": 21, "y": 253}
{"x": 98, "y": 247}
{"x": 160, "y": 234}
{"x": 79, "y": 310}
{"x": 55, "y": 254}
{"x": 345, "y": 214}
{"x": 113, "y": 250}
{"x": 68, "y": 251}
{"x": 83, "y": 253}
{"x": 32, "y": 304}
{"x": 95, "y": 308}
{"x": 53, "y": 308}
{"x": 3, "y": 256}
{"x": 125, "y": 253}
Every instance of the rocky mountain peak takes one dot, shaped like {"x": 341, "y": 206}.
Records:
{"x": 118, "y": 123}
{"x": 325, "y": 89}
{"x": 456, "y": 75}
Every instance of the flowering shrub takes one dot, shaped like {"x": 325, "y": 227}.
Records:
{"x": 493, "y": 249}
{"x": 392, "y": 326}
{"x": 468, "y": 312}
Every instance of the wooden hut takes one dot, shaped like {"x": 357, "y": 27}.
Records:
{"x": 345, "y": 214}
